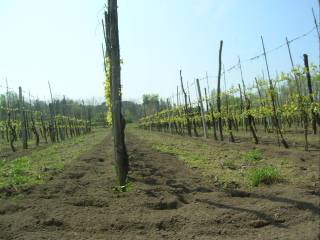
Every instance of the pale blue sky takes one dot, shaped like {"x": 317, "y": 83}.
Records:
{"x": 61, "y": 40}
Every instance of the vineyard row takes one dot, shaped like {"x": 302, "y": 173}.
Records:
{"x": 277, "y": 106}
{"x": 38, "y": 121}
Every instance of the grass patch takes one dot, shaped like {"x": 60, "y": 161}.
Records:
{"x": 19, "y": 172}
{"x": 252, "y": 156}
{"x": 267, "y": 175}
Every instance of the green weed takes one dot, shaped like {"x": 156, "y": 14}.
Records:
{"x": 266, "y": 175}
{"x": 126, "y": 188}
{"x": 252, "y": 156}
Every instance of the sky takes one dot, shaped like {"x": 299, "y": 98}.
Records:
{"x": 60, "y": 41}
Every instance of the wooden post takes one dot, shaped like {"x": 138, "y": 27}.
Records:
{"x": 8, "y": 113}
{"x": 303, "y": 113}
{"x": 208, "y": 87}
{"x": 33, "y": 126}
{"x": 179, "y": 125}
{"x": 186, "y": 109}
{"x": 292, "y": 65}
{"x": 191, "y": 110}
{"x": 275, "y": 117}
{"x": 52, "y": 125}
{"x": 308, "y": 76}
{"x": 169, "y": 115}
{"x": 204, "y": 125}
{"x": 11, "y": 135}
{"x": 206, "y": 99}
{"x": 241, "y": 107}
{"x": 118, "y": 122}
{"x": 249, "y": 118}
{"x": 219, "y": 93}
{"x": 22, "y": 119}
{"x": 318, "y": 32}
{"x": 229, "y": 126}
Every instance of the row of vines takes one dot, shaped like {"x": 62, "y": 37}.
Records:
{"x": 33, "y": 122}
{"x": 289, "y": 103}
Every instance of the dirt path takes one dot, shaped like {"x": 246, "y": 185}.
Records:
{"x": 168, "y": 200}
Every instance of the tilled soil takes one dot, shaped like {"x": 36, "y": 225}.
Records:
{"x": 168, "y": 200}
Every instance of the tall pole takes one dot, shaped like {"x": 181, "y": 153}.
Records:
{"x": 23, "y": 122}
{"x": 50, "y": 91}
{"x": 118, "y": 122}
{"x": 204, "y": 125}
{"x": 275, "y": 117}
{"x": 208, "y": 88}
{"x": 186, "y": 109}
{"x": 249, "y": 120}
{"x": 292, "y": 65}
{"x": 8, "y": 101}
{"x": 219, "y": 92}
{"x": 318, "y": 31}
{"x": 52, "y": 126}
{"x": 308, "y": 76}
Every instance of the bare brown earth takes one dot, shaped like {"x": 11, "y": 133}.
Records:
{"x": 167, "y": 200}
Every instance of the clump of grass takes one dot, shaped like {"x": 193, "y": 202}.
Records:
{"x": 252, "y": 156}
{"x": 229, "y": 163}
{"x": 17, "y": 171}
{"x": 266, "y": 175}
{"x": 126, "y": 188}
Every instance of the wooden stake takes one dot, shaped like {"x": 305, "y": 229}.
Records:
{"x": 292, "y": 65}
{"x": 229, "y": 126}
{"x": 249, "y": 118}
{"x": 275, "y": 117}
{"x": 204, "y": 125}
{"x": 186, "y": 109}
{"x": 219, "y": 93}
{"x": 118, "y": 122}
{"x": 308, "y": 76}
{"x": 23, "y": 123}
{"x": 318, "y": 32}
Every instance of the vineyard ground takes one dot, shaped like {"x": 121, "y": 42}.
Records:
{"x": 176, "y": 192}
{"x": 24, "y": 168}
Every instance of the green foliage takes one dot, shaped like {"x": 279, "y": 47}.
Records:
{"x": 284, "y": 92}
{"x": 152, "y": 104}
{"x": 126, "y": 188}
{"x": 266, "y": 175}
{"x": 131, "y": 111}
{"x": 252, "y": 156}
{"x": 107, "y": 92}
{"x": 18, "y": 171}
